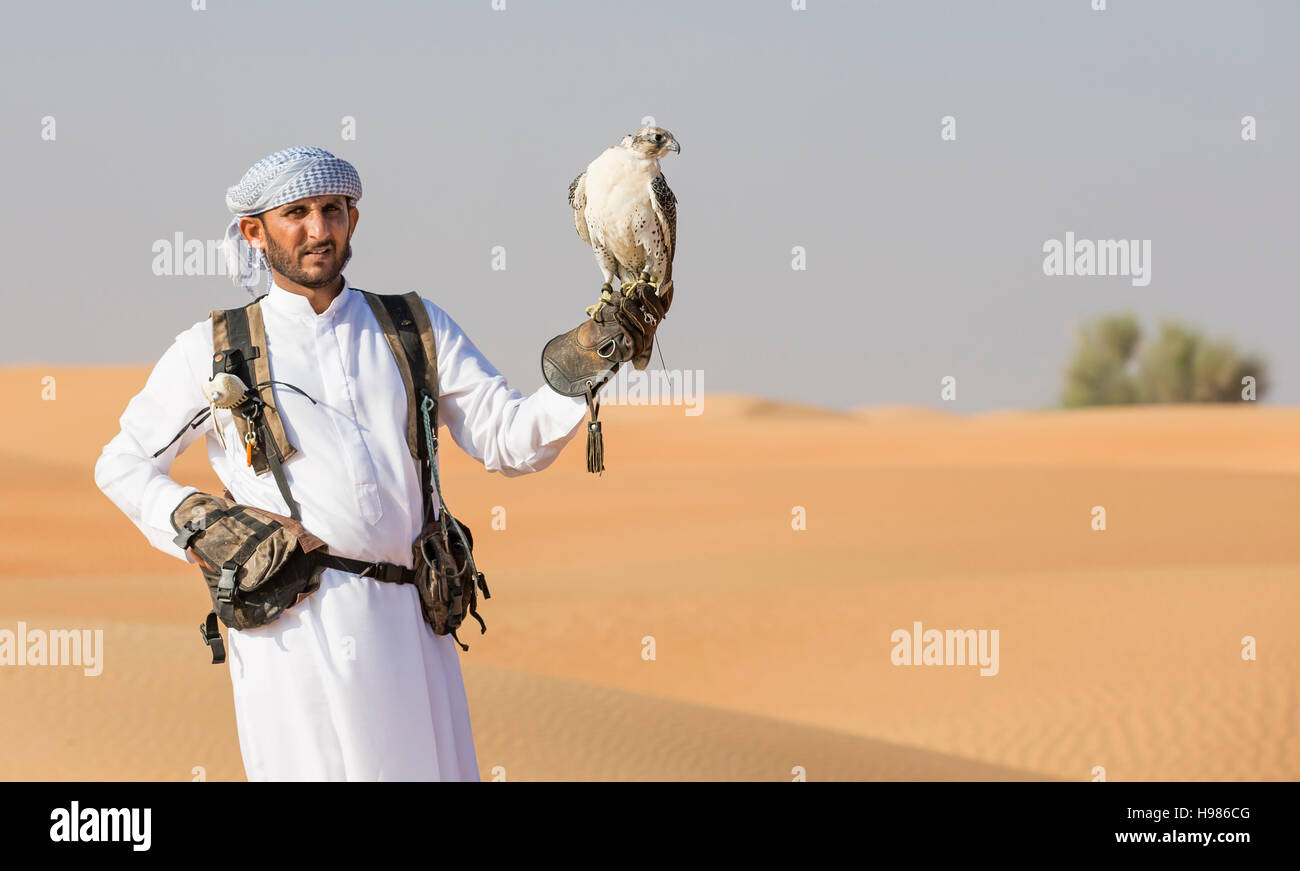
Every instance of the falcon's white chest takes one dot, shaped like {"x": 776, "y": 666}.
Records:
{"x": 619, "y": 213}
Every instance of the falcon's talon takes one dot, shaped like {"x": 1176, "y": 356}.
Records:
{"x": 606, "y": 297}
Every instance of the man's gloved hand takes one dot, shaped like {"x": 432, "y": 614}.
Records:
{"x": 619, "y": 329}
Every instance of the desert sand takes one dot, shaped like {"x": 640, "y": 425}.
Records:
{"x": 1119, "y": 648}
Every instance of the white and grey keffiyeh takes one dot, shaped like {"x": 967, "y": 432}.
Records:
{"x": 288, "y": 175}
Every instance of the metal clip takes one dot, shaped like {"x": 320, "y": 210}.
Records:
{"x": 226, "y": 585}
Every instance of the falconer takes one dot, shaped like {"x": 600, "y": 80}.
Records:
{"x": 350, "y": 683}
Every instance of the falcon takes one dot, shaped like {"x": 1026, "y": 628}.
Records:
{"x": 624, "y": 209}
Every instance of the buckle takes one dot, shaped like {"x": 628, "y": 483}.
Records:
{"x": 226, "y": 586}
{"x": 212, "y": 638}
{"x": 186, "y": 535}
{"x": 389, "y": 573}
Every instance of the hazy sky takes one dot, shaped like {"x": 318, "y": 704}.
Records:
{"x": 817, "y": 128}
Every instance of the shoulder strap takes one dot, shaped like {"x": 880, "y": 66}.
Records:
{"x": 409, "y": 333}
{"x": 406, "y": 326}
{"x": 239, "y": 347}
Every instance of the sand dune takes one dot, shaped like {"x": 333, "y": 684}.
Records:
{"x": 748, "y": 407}
{"x": 137, "y": 721}
{"x": 772, "y": 646}
{"x": 577, "y": 731}
{"x": 895, "y": 414}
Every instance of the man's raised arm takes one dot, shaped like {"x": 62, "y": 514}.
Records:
{"x": 492, "y": 422}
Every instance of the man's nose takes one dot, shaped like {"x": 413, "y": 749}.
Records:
{"x": 315, "y": 225}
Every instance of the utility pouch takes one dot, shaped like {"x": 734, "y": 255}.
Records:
{"x": 446, "y": 576}
{"x": 256, "y": 563}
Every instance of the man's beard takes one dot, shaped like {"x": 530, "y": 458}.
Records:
{"x": 285, "y": 264}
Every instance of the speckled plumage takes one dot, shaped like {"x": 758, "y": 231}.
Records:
{"x": 624, "y": 209}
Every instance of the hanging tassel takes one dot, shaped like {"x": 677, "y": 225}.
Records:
{"x": 595, "y": 443}
{"x": 595, "y": 448}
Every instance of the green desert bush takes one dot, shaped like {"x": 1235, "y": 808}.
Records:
{"x": 1099, "y": 372}
{"x": 1109, "y": 368}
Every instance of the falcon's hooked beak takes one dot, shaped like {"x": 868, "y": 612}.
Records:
{"x": 673, "y": 146}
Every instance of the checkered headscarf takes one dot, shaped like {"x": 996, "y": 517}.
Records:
{"x": 288, "y": 175}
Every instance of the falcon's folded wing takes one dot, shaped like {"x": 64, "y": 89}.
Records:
{"x": 578, "y": 200}
{"x": 665, "y": 206}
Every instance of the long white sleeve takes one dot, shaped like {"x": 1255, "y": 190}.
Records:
{"x": 497, "y": 425}
{"x": 129, "y": 474}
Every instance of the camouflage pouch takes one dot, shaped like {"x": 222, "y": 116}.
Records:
{"x": 256, "y": 563}
{"x": 446, "y": 576}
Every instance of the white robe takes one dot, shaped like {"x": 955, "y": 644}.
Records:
{"x": 351, "y": 683}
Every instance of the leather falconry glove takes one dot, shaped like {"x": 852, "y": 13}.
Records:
{"x": 620, "y": 328}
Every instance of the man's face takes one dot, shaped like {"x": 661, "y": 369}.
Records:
{"x": 307, "y": 241}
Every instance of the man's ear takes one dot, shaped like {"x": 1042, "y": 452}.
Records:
{"x": 252, "y": 228}
{"x": 353, "y": 217}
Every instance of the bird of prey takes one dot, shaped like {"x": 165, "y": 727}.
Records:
{"x": 623, "y": 209}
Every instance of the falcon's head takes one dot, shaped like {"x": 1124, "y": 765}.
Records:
{"x": 651, "y": 142}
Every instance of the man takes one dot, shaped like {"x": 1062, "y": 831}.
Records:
{"x": 350, "y": 683}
